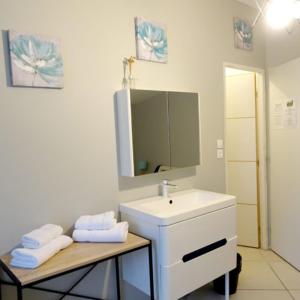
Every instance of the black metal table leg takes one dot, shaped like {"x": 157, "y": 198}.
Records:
{"x": 0, "y": 290}
{"x": 19, "y": 292}
{"x": 78, "y": 281}
{"x": 151, "y": 271}
{"x": 118, "y": 278}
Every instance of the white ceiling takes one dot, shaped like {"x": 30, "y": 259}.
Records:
{"x": 251, "y": 2}
{"x": 248, "y": 2}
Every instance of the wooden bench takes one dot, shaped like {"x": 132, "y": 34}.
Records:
{"x": 71, "y": 259}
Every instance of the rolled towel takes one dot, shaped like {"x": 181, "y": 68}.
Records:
{"x": 97, "y": 222}
{"x": 32, "y": 258}
{"x": 115, "y": 235}
{"x": 40, "y": 237}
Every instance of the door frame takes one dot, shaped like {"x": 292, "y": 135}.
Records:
{"x": 262, "y": 150}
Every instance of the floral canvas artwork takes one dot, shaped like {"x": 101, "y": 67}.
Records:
{"x": 151, "y": 41}
{"x": 36, "y": 61}
{"x": 243, "y": 34}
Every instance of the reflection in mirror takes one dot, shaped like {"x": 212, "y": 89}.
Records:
{"x": 184, "y": 129}
{"x": 149, "y": 112}
{"x": 165, "y": 129}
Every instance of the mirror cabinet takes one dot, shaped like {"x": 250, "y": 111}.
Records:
{"x": 157, "y": 131}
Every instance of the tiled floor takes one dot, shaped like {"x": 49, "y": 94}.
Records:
{"x": 264, "y": 276}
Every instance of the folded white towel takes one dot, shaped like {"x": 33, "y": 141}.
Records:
{"x": 40, "y": 237}
{"x": 32, "y": 258}
{"x": 97, "y": 222}
{"x": 114, "y": 235}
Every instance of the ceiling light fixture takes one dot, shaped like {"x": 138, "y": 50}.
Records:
{"x": 278, "y": 13}
{"x": 296, "y": 10}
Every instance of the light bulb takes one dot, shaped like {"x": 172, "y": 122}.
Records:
{"x": 279, "y": 13}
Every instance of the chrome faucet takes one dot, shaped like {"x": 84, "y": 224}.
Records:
{"x": 165, "y": 184}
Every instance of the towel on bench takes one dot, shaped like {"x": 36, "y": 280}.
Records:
{"x": 115, "y": 235}
{"x": 41, "y": 236}
{"x": 32, "y": 258}
{"x": 97, "y": 222}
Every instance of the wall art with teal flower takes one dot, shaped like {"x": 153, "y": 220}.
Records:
{"x": 36, "y": 61}
{"x": 243, "y": 34}
{"x": 151, "y": 41}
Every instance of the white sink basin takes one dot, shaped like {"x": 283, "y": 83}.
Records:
{"x": 177, "y": 207}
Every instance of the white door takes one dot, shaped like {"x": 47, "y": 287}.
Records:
{"x": 284, "y": 168}
{"x": 241, "y": 154}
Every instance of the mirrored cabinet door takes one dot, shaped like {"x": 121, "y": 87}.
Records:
{"x": 184, "y": 129}
{"x": 150, "y": 131}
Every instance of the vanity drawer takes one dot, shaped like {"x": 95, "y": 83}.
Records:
{"x": 181, "y": 238}
{"x": 182, "y": 278}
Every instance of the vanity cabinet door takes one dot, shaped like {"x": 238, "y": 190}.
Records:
{"x": 182, "y": 278}
{"x": 185, "y": 237}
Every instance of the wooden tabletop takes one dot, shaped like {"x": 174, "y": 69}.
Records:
{"x": 75, "y": 256}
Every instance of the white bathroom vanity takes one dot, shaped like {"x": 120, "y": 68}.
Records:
{"x": 194, "y": 240}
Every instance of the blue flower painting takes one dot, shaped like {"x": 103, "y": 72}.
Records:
{"x": 243, "y": 34}
{"x": 151, "y": 41}
{"x": 36, "y": 61}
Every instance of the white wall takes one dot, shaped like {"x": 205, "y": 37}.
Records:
{"x": 282, "y": 46}
{"x": 57, "y": 147}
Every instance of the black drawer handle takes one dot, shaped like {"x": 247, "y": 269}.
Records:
{"x": 203, "y": 250}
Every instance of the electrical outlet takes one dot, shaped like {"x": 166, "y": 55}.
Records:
{"x": 220, "y": 144}
{"x": 220, "y": 153}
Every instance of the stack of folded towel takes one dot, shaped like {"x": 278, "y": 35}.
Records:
{"x": 39, "y": 246}
{"x": 102, "y": 228}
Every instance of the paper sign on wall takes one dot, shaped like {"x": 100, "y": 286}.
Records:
{"x": 285, "y": 114}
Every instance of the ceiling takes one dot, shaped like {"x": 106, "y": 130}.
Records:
{"x": 248, "y": 2}
{"x": 251, "y": 2}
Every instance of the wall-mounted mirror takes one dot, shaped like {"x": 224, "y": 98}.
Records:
{"x": 158, "y": 131}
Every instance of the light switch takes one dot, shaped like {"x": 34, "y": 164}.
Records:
{"x": 220, "y": 153}
{"x": 220, "y": 144}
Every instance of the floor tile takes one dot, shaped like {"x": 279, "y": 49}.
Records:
{"x": 296, "y": 294}
{"x": 270, "y": 256}
{"x": 250, "y": 254}
{"x": 258, "y": 275}
{"x": 261, "y": 295}
{"x": 207, "y": 293}
{"x": 287, "y": 274}
{"x": 263, "y": 277}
